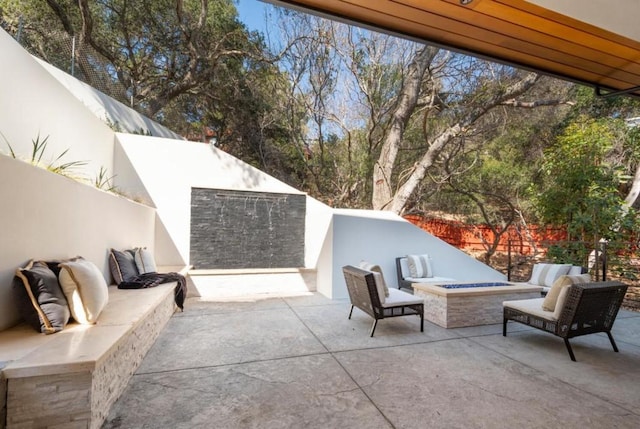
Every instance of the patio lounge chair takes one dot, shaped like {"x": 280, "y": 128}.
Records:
{"x": 581, "y": 309}
{"x": 363, "y": 293}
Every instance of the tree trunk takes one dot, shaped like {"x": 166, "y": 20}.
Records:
{"x": 408, "y": 98}
{"x": 399, "y": 200}
{"x": 632, "y": 199}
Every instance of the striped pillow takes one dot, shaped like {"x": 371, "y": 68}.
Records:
{"x": 420, "y": 266}
{"x": 547, "y": 274}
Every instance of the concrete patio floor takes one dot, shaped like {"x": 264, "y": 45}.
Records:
{"x": 298, "y": 362}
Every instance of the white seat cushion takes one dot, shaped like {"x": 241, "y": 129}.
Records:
{"x": 398, "y": 297}
{"x": 533, "y": 307}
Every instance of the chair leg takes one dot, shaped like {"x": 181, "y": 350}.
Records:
{"x": 569, "y": 349}
{"x": 373, "y": 328}
{"x": 504, "y": 326}
{"x": 613, "y": 343}
{"x": 422, "y": 322}
{"x": 351, "y": 311}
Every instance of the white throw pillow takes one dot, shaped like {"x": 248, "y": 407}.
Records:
{"x": 380, "y": 286}
{"x": 144, "y": 260}
{"x": 420, "y": 266}
{"x": 85, "y": 289}
{"x": 376, "y": 269}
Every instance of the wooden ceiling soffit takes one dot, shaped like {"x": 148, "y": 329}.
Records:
{"x": 512, "y": 31}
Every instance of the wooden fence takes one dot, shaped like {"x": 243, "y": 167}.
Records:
{"x": 470, "y": 237}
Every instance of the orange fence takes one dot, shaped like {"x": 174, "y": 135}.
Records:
{"x": 470, "y": 237}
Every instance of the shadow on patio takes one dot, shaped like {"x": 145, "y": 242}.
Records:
{"x": 299, "y": 362}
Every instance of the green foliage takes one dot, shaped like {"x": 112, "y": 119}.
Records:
{"x": 38, "y": 150}
{"x": 582, "y": 187}
{"x": 104, "y": 181}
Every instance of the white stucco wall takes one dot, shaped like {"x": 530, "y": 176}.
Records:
{"x": 33, "y": 103}
{"x": 48, "y": 216}
{"x": 105, "y": 108}
{"x": 165, "y": 170}
{"x": 379, "y": 238}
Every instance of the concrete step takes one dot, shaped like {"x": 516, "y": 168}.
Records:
{"x": 251, "y": 283}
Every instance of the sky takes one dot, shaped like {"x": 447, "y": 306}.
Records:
{"x": 252, "y": 14}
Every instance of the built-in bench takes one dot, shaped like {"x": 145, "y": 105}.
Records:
{"x": 71, "y": 378}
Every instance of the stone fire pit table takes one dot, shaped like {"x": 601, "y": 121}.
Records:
{"x": 458, "y": 304}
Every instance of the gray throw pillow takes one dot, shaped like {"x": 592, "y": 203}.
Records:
{"x": 122, "y": 265}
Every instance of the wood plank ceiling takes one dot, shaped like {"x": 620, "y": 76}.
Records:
{"x": 512, "y": 31}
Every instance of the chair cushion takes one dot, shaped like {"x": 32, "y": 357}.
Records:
{"x": 531, "y": 306}
{"x": 419, "y": 265}
{"x": 85, "y": 289}
{"x": 40, "y": 299}
{"x": 398, "y": 297}
{"x": 550, "y": 300}
{"x": 376, "y": 269}
{"x": 547, "y": 274}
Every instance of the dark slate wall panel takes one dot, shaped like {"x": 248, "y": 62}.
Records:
{"x": 241, "y": 229}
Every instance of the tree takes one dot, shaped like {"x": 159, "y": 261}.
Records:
{"x": 583, "y": 188}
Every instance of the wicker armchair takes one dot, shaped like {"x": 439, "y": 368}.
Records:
{"x": 589, "y": 308}
{"x": 363, "y": 293}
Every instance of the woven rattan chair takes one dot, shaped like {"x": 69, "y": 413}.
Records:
{"x": 363, "y": 294}
{"x": 589, "y": 308}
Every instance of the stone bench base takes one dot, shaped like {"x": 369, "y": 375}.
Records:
{"x": 72, "y": 378}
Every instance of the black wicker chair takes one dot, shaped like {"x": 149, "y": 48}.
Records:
{"x": 363, "y": 294}
{"x": 589, "y": 308}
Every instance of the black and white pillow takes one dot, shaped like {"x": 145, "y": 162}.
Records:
{"x": 122, "y": 265}
{"x": 40, "y": 299}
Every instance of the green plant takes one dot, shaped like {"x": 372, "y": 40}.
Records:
{"x": 104, "y": 181}
{"x": 38, "y": 149}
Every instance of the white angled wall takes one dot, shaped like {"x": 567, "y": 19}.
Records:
{"x": 165, "y": 170}
{"x": 380, "y": 237}
{"x": 33, "y": 103}
{"x": 47, "y": 216}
